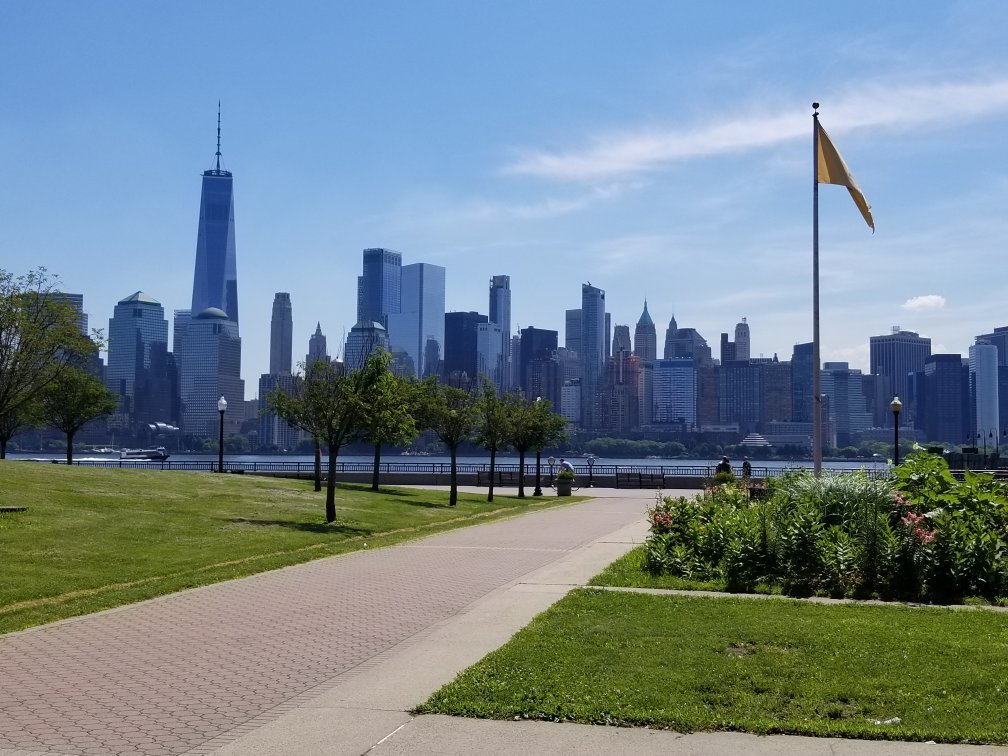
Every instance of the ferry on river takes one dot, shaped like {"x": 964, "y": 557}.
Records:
{"x": 156, "y": 455}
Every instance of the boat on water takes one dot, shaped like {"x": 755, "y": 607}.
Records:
{"x": 158, "y": 454}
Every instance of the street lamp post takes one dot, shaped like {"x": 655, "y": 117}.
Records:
{"x": 590, "y": 461}
{"x": 551, "y": 461}
{"x": 895, "y": 405}
{"x": 221, "y": 406}
{"x": 538, "y": 485}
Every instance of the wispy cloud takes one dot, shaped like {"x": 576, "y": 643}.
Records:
{"x": 924, "y": 302}
{"x": 876, "y": 105}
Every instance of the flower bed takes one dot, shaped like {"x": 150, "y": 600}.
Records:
{"x": 921, "y": 535}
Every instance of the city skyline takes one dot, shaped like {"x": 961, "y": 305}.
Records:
{"x": 662, "y": 153}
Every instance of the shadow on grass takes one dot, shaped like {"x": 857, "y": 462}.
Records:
{"x": 309, "y": 527}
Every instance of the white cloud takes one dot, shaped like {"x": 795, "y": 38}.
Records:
{"x": 876, "y": 105}
{"x": 924, "y": 302}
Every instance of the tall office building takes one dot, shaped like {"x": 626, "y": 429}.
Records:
{"x": 801, "y": 383}
{"x": 686, "y": 342}
{"x": 999, "y": 338}
{"x": 535, "y": 344}
{"x": 943, "y": 403}
{"x": 138, "y": 369}
{"x": 983, "y": 377}
{"x": 208, "y": 345}
{"x": 592, "y": 350}
{"x": 608, "y": 335}
{"x": 500, "y": 313}
{"x": 618, "y": 403}
{"x": 894, "y": 357}
{"x": 674, "y": 393}
{"x": 317, "y": 346}
{"x": 281, "y": 335}
{"x": 209, "y": 368}
{"x": 621, "y": 341}
{"x": 490, "y": 353}
{"x": 379, "y": 292}
{"x": 572, "y": 330}
{"x": 848, "y": 414}
{"x": 461, "y": 357}
{"x": 421, "y": 313}
{"x": 215, "y": 280}
{"x": 76, "y": 303}
{"x": 645, "y": 338}
{"x": 363, "y": 339}
{"x": 742, "y": 340}
{"x": 740, "y": 394}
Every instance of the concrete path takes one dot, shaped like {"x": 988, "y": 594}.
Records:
{"x": 329, "y": 657}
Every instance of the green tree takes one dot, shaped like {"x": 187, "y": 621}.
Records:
{"x": 493, "y": 426}
{"x": 73, "y": 398}
{"x": 329, "y": 404}
{"x": 390, "y": 409}
{"x": 451, "y": 413}
{"x": 524, "y": 432}
{"x": 14, "y": 421}
{"x": 547, "y": 429}
{"x": 39, "y": 337}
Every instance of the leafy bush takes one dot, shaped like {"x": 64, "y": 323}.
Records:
{"x": 921, "y": 534}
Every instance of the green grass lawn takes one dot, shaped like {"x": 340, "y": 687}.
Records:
{"x": 765, "y": 666}
{"x": 95, "y": 538}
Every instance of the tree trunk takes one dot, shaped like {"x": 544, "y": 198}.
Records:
{"x": 538, "y": 488}
{"x": 521, "y": 473}
{"x": 70, "y": 448}
{"x": 453, "y": 493}
{"x": 318, "y": 466}
{"x": 377, "y": 465}
{"x": 3, "y": 448}
{"x": 493, "y": 465}
{"x": 330, "y": 495}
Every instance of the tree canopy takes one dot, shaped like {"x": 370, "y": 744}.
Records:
{"x": 73, "y": 398}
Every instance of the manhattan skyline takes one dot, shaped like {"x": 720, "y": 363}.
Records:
{"x": 658, "y": 152}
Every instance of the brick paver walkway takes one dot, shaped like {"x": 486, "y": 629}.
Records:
{"x": 185, "y": 672}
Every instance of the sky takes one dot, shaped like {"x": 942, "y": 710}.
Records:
{"x": 659, "y": 150}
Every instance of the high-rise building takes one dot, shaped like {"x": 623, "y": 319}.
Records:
{"x": 674, "y": 393}
{"x": 421, "y": 312}
{"x": 848, "y": 414}
{"x": 535, "y": 343}
{"x": 275, "y": 433}
{"x": 983, "y": 378}
{"x": 896, "y": 356}
{"x": 208, "y": 345}
{"x": 681, "y": 343}
{"x": 943, "y": 404}
{"x": 379, "y": 292}
{"x": 645, "y": 338}
{"x": 490, "y": 353}
{"x": 742, "y": 340}
{"x": 281, "y": 335}
{"x": 727, "y": 349}
{"x": 618, "y": 403}
{"x": 572, "y": 331}
{"x": 432, "y": 363}
{"x": 999, "y": 338}
{"x": 801, "y": 383}
{"x": 592, "y": 349}
{"x": 363, "y": 339}
{"x": 621, "y": 340}
{"x": 215, "y": 280}
{"x": 76, "y": 303}
{"x": 608, "y": 336}
{"x": 317, "y": 346}
{"x": 461, "y": 356}
{"x": 138, "y": 370}
{"x": 741, "y": 394}
{"x": 209, "y": 368}
{"x": 500, "y": 313}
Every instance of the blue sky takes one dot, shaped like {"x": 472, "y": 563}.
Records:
{"x": 656, "y": 149}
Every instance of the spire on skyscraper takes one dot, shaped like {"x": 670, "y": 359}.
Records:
{"x": 218, "y": 135}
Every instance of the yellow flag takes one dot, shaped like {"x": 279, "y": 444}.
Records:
{"x": 833, "y": 170}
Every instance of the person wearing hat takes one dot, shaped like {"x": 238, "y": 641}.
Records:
{"x": 724, "y": 466}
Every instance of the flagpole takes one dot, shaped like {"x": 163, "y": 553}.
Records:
{"x": 816, "y": 380}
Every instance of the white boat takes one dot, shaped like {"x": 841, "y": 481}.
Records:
{"x": 158, "y": 454}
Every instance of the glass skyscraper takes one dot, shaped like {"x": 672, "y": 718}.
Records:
{"x": 137, "y": 361}
{"x": 593, "y": 344}
{"x": 215, "y": 280}
{"x": 421, "y": 313}
{"x": 500, "y": 313}
{"x": 379, "y": 289}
